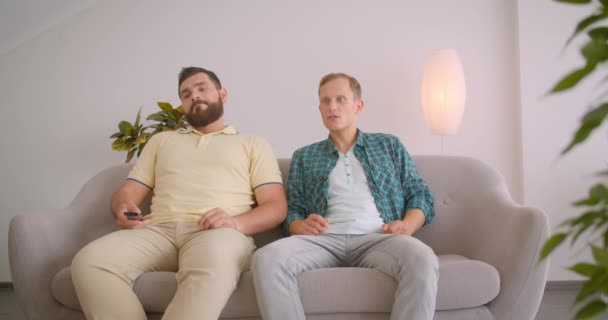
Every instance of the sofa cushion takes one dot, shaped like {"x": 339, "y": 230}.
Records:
{"x": 463, "y": 283}
{"x": 156, "y": 289}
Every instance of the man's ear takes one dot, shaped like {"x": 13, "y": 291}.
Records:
{"x": 360, "y": 105}
{"x": 224, "y": 95}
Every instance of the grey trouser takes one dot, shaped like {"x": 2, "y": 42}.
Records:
{"x": 412, "y": 263}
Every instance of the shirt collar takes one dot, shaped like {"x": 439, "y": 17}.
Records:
{"x": 189, "y": 129}
{"x": 359, "y": 143}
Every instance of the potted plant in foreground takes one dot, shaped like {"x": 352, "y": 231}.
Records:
{"x": 593, "y": 221}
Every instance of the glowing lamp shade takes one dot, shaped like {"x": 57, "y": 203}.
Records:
{"x": 443, "y": 91}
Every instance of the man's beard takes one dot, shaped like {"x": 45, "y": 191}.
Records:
{"x": 197, "y": 117}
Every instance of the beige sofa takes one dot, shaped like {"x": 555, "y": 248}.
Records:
{"x": 487, "y": 247}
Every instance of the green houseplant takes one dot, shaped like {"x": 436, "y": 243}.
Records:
{"x": 593, "y": 221}
{"x": 132, "y": 137}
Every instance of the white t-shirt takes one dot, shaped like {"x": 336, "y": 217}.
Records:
{"x": 350, "y": 207}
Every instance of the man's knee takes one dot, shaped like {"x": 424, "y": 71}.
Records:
{"x": 263, "y": 257}
{"x": 423, "y": 262}
{"x": 271, "y": 256}
{"x": 88, "y": 264}
{"x": 415, "y": 254}
{"x": 85, "y": 259}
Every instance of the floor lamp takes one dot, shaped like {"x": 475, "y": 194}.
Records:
{"x": 443, "y": 92}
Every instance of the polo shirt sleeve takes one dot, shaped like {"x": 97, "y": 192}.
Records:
{"x": 144, "y": 169}
{"x": 263, "y": 168}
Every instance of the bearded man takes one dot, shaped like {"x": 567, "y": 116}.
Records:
{"x": 212, "y": 189}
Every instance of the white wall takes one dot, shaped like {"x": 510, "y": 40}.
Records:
{"x": 552, "y": 182}
{"x": 65, "y": 87}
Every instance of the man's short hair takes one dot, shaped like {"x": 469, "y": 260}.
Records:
{"x": 190, "y": 71}
{"x": 354, "y": 84}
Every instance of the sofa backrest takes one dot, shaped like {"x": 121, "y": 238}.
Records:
{"x": 464, "y": 188}
{"x": 458, "y": 183}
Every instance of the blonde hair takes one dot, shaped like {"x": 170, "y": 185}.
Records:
{"x": 354, "y": 84}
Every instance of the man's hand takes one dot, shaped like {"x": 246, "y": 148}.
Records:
{"x": 218, "y": 218}
{"x": 127, "y": 199}
{"x": 413, "y": 221}
{"x": 124, "y": 223}
{"x": 314, "y": 224}
{"x": 398, "y": 227}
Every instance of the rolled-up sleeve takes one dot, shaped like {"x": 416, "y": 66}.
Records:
{"x": 416, "y": 191}
{"x": 296, "y": 209}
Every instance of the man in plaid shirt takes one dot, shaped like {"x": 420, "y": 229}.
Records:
{"x": 355, "y": 199}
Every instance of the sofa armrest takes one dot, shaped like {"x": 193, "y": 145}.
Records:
{"x": 476, "y": 218}
{"x": 40, "y": 245}
{"x": 505, "y": 235}
{"x": 512, "y": 242}
{"x": 43, "y": 243}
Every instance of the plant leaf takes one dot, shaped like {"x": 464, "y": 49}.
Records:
{"x": 130, "y": 155}
{"x": 589, "y": 202}
{"x": 551, "y": 244}
{"x": 141, "y": 139}
{"x": 584, "y": 269}
{"x": 165, "y": 106}
{"x": 600, "y": 32}
{"x": 120, "y": 145}
{"x": 599, "y": 191}
{"x": 138, "y": 117}
{"x": 585, "y": 23}
{"x": 592, "y": 285}
{"x": 591, "y": 120}
{"x": 591, "y": 310}
{"x": 117, "y": 135}
{"x": 177, "y": 114}
{"x": 158, "y": 116}
{"x": 582, "y": 228}
{"x": 595, "y": 51}
{"x": 584, "y": 218}
{"x": 571, "y": 79}
{"x": 125, "y": 127}
{"x": 141, "y": 148}
{"x": 600, "y": 255}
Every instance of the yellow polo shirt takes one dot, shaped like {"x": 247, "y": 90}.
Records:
{"x": 192, "y": 173}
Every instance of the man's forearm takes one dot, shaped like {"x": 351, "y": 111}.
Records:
{"x": 263, "y": 218}
{"x": 294, "y": 225}
{"x": 130, "y": 194}
{"x": 118, "y": 199}
{"x": 414, "y": 218}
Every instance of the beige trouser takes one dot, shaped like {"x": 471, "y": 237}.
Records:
{"x": 208, "y": 264}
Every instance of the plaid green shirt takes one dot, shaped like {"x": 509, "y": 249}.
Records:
{"x": 391, "y": 175}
